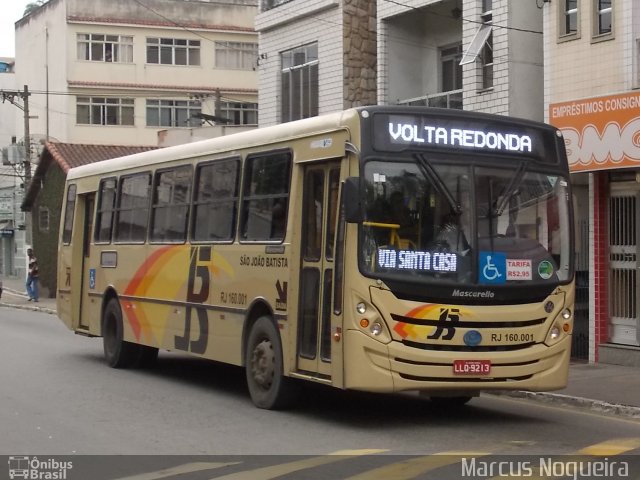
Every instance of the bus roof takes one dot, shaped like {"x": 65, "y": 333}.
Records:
{"x": 230, "y": 143}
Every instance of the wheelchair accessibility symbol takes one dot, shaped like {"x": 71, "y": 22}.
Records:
{"x": 493, "y": 267}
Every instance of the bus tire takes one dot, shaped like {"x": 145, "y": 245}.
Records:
{"x": 268, "y": 387}
{"x": 117, "y": 352}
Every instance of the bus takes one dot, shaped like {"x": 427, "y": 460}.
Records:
{"x": 379, "y": 249}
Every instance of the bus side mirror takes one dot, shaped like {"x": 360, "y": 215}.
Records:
{"x": 351, "y": 200}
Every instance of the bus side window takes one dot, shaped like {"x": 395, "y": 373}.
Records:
{"x": 105, "y": 211}
{"x": 133, "y": 208}
{"x": 170, "y": 207}
{"x": 215, "y": 204}
{"x": 68, "y": 214}
{"x": 267, "y": 180}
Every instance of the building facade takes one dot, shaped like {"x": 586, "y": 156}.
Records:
{"x": 316, "y": 57}
{"x": 105, "y": 72}
{"x": 481, "y": 55}
{"x": 114, "y": 72}
{"x": 592, "y": 93}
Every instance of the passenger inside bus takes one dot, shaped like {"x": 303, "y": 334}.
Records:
{"x": 450, "y": 236}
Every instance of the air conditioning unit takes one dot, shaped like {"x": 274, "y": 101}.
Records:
{"x": 12, "y": 155}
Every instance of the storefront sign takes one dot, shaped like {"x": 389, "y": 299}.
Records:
{"x": 600, "y": 133}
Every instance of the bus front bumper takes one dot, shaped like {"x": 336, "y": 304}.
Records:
{"x": 376, "y": 367}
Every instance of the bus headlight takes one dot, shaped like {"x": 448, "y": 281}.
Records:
{"x": 369, "y": 320}
{"x": 566, "y": 314}
{"x": 554, "y": 333}
{"x": 376, "y": 328}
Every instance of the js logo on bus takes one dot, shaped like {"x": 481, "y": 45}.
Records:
{"x": 433, "y": 322}
{"x": 449, "y": 319}
{"x": 200, "y": 257}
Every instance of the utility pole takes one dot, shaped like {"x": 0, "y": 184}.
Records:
{"x": 27, "y": 163}
{"x": 11, "y": 95}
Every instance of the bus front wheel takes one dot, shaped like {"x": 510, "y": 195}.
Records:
{"x": 268, "y": 386}
{"x": 117, "y": 352}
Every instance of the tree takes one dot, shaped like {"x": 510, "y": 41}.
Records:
{"x": 32, "y": 6}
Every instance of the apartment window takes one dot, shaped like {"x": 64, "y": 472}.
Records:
{"x": 173, "y": 113}
{"x": 269, "y": 4}
{"x": 43, "y": 219}
{"x": 133, "y": 208}
{"x": 487, "y": 9}
{"x": 450, "y": 66}
{"x": 215, "y": 205}
{"x": 568, "y": 17}
{"x": 236, "y": 55}
{"x": 481, "y": 47}
{"x": 105, "y": 48}
{"x": 603, "y": 17}
{"x": 173, "y": 51}
{"x": 486, "y": 62}
{"x": 104, "y": 111}
{"x": 105, "y": 211}
{"x": 299, "y": 83}
{"x": 170, "y": 210}
{"x": 240, "y": 113}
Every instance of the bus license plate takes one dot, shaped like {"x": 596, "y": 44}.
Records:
{"x": 471, "y": 367}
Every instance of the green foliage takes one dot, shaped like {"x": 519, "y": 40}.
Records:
{"x": 33, "y": 6}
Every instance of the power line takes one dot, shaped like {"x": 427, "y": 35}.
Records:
{"x": 468, "y": 20}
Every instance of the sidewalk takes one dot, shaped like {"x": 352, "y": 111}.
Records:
{"x": 14, "y": 294}
{"x": 604, "y": 388}
{"x": 611, "y": 389}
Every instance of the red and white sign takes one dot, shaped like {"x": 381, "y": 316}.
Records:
{"x": 518, "y": 269}
{"x": 471, "y": 367}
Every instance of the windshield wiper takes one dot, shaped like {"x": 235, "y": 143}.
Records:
{"x": 428, "y": 171}
{"x": 508, "y": 192}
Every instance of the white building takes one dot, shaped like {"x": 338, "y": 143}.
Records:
{"x": 481, "y": 55}
{"x": 326, "y": 55}
{"x": 117, "y": 72}
{"x": 316, "y": 57}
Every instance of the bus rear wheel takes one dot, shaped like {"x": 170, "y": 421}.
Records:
{"x": 268, "y": 387}
{"x": 117, "y": 352}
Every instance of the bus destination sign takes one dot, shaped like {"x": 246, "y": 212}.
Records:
{"x": 458, "y": 137}
{"x": 399, "y": 132}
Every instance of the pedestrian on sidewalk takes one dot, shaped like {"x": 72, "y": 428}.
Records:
{"x": 32, "y": 276}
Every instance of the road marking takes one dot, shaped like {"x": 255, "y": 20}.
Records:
{"x": 615, "y": 446}
{"x": 416, "y": 466}
{"x": 179, "y": 470}
{"x": 566, "y": 463}
{"x": 274, "y": 471}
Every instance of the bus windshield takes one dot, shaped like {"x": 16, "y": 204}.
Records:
{"x": 435, "y": 221}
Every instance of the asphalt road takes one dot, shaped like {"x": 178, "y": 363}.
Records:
{"x": 59, "y": 400}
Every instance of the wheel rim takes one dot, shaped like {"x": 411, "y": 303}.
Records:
{"x": 263, "y": 364}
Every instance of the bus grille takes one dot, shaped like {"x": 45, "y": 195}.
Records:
{"x": 465, "y": 348}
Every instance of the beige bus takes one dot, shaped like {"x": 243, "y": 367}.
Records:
{"x": 382, "y": 249}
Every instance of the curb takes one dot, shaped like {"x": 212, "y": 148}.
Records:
{"x": 599, "y": 406}
{"x": 31, "y": 307}
{"x": 28, "y": 307}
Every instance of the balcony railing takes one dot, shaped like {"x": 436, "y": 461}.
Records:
{"x": 450, "y": 99}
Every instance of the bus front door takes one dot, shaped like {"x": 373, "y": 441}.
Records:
{"x": 319, "y": 216}
{"x": 87, "y": 202}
